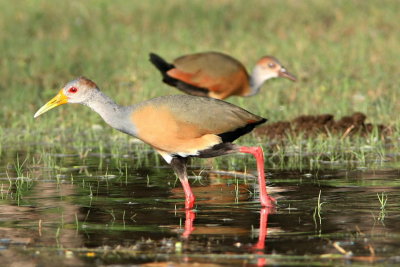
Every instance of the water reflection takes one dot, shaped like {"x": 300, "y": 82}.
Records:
{"x": 258, "y": 248}
{"x": 141, "y": 209}
{"x": 189, "y": 219}
{"x": 44, "y": 216}
{"x": 260, "y": 245}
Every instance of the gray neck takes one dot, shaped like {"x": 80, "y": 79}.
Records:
{"x": 255, "y": 85}
{"x": 112, "y": 113}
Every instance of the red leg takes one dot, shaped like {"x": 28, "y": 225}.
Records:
{"x": 189, "y": 197}
{"x": 257, "y": 152}
{"x": 179, "y": 166}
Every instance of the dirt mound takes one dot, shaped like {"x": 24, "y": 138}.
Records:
{"x": 312, "y": 125}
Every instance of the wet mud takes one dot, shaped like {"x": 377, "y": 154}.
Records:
{"x": 323, "y": 124}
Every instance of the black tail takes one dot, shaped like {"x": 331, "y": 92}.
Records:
{"x": 162, "y": 65}
{"x": 227, "y": 147}
{"x": 235, "y": 134}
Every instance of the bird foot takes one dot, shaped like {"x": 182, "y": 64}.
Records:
{"x": 189, "y": 202}
{"x": 267, "y": 201}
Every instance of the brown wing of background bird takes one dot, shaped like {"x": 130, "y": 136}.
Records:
{"x": 208, "y": 74}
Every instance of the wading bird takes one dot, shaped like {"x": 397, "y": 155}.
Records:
{"x": 218, "y": 75}
{"x": 178, "y": 127}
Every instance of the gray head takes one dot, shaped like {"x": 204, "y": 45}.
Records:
{"x": 269, "y": 67}
{"x": 79, "y": 91}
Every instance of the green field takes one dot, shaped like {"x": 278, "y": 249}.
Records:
{"x": 343, "y": 52}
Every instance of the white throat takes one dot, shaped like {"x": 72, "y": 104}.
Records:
{"x": 258, "y": 77}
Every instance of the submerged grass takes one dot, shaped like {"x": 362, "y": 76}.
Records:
{"x": 317, "y": 213}
{"x": 383, "y": 197}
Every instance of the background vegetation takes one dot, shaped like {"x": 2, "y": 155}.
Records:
{"x": 345, "y": 54}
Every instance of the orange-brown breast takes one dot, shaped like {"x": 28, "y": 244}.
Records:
{"x": 221, "y": 74}
{"x": 158, "y": 127}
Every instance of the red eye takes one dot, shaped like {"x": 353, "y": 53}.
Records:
{"x": 73, "y": 90}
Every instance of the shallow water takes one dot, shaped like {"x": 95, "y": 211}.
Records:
{"x": 104, "y": 210}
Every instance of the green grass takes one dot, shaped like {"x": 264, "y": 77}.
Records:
{"x": 343, "y": 52}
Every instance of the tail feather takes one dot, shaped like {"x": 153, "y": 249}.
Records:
{"x": 162, "y": 65}
{"x": 233, "y": 135}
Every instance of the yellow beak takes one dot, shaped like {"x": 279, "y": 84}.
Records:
{"x": 59, "y": 99}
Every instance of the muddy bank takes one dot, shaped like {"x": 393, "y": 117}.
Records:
{"x": 312, "y": 125}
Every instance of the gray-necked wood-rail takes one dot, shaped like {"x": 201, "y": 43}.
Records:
{"x": 218, "y": 75}
{"x": 177, "y": 126}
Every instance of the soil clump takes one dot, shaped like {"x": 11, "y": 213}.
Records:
{"x": 313, "y": 125}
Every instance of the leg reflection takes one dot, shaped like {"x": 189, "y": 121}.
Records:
{"x": 260, "y": 245}
{"x": 258, "y": 248}
{"x": 190, "y": 216}
{"x": 264, "y": 212}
